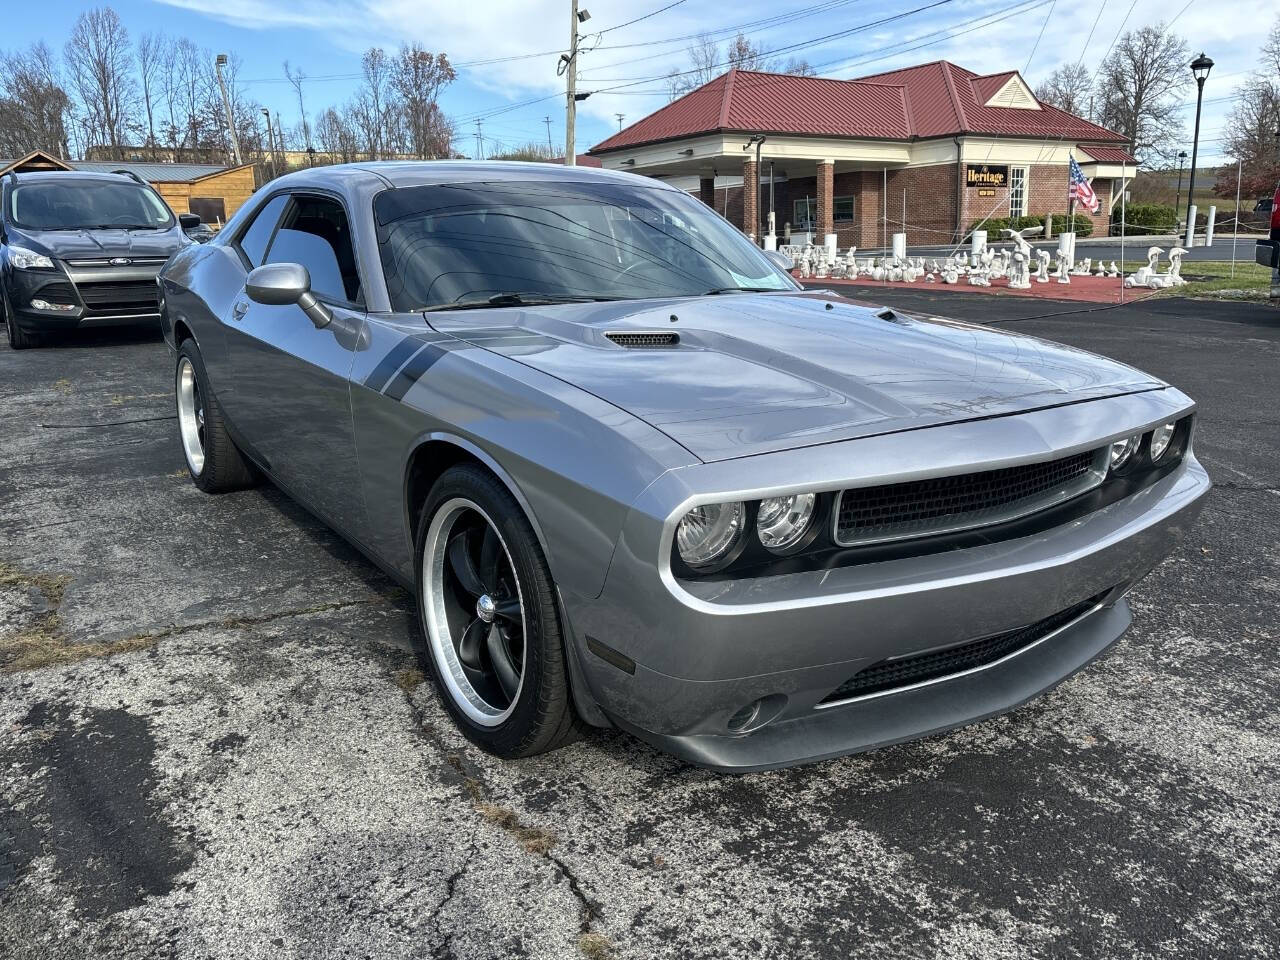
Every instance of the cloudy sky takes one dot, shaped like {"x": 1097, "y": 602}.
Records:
{"x": 626, "y": 61}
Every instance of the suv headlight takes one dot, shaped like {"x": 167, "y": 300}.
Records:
{"x": 24, "y": 259}
{"x": 707, "y": 534}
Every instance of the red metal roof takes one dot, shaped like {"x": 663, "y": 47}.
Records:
{"x": 1107, "y": 154}
{"x": 931, "y": 100}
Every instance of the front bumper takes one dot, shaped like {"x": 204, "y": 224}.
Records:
{"x": 70, "y": 285}
{"x": 704, "y": 651}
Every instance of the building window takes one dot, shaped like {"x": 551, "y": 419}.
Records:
{"x": 806, "y": 212}
{"x": 1017, "y": 191}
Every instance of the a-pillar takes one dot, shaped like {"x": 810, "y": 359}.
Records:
{"x": 750, "y": 198}
{"x": 826, "y": 212}
{"x": 707, "y": 187}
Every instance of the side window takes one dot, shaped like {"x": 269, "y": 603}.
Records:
{"x": 253, "y": 242}
{"x": 315, "y": 233}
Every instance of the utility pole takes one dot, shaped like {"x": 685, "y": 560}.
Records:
{"x": 550, "y": 149}
{"x": 620, "y": 117}
{"x": 479, "y": 140}
{"x": 271, "y": 146}
{"x": 218, "y": 63}
{"x": 569, "y": 63}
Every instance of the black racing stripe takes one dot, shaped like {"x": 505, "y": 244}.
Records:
{"x": 389, "y": 364}
{"x": 415, "y": 368}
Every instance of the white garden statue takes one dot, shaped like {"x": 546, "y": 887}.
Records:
{"x": 1142, "y": 276}
{"x": 1042, "y": 266}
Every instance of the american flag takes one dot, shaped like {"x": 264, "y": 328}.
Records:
{"x": 1080, "y": 189}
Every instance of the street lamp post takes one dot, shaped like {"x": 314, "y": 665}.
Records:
{"x": 1177, "y": 200}
{"x": 1200, "y": 68}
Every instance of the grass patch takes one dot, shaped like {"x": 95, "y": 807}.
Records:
{"x": 409, "y": 679}
{"x": 1213, "y": 278}
{"x": 41, "y": 644}
{"x": 534, "y": 839}
{"x": 595, "y": 946}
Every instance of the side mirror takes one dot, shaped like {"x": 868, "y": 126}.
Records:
{"x": 780, "y": 260}
{"x": 280, "y": 284}
{"x": 189, "y": 220}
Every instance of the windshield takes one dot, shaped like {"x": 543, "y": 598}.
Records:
{"x": 79, "y": 204}
{"x": 470, "y": 242}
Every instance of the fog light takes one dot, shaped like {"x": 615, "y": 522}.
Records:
{"x": 55, "y": 307}
{"x": 782, "y": 521}
{"x": 1122, "y": 450}
{"x": 757, "y": 713}
{"x": 1161, "y": 437}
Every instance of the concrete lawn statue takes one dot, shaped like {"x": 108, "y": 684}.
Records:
{"x": 1042, "y": 266}
{"x": 1114, "y": 271}
{"x": 1142, "y": 276}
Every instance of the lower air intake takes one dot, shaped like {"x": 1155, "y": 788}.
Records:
{"x": 902, "y": 672}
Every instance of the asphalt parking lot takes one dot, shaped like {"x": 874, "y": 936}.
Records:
{"x": 213, "y": 742}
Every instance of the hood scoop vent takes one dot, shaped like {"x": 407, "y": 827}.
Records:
{"x": 644, "y": 339}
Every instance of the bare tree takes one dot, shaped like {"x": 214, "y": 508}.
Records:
{"x": 295, "y": 78}
{"x": 369, "y": 113}
{"x": 418, "y": 77}
{"x": 151, "y": 50}
{"x": 100, "y": 63}
{"x": 1137, "y": 89}
{"x": 34, "y": 108}
{"x": 704, "y": 66}
{"x": 706, "y": 63}
{"x": 1068, "y": 88}
{"x": 1252, "y": 129}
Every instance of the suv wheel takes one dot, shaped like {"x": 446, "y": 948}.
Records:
{"x": 19, "y": 339}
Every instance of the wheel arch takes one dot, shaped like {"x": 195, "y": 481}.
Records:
{"x": 431, "y": 455}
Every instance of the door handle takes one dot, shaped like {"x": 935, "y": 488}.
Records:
{"x": 240, "y": 309}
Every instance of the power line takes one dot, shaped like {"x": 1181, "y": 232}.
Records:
{"x": 652, "y": 13}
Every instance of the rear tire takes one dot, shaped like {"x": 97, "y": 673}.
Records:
{"x": 213, "y": 461}
{"x": 491, "y": 633}
{"x": 19, "y": 339}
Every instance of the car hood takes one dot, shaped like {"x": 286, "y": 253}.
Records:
{"x": 759, "y": 373}
{"x": 93, "y": 244}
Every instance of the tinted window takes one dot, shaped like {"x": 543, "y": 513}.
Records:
{"x": 461, "y": 243}
{"x": 315, "y": 233}
{"x": 254, "y": 240}
{"x": 73, "y": 203}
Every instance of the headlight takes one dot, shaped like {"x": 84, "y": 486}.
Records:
{"x": 24, "y": 259}
{"x": 1161, "y": 437}
{"x": 1122, "y": 450}
{"x": 782, "y": 521}
{"x": 707, "y": 533}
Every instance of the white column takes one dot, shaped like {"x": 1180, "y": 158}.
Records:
{"x": 1208, "y": 228}
{"x": 900, "y": 246}
{"x": 1067, "y": 246}
{"x": 1191, "y": 227}
{"x": 977, "y": 242}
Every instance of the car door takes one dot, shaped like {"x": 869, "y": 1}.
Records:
{"x": 291, "y": 404}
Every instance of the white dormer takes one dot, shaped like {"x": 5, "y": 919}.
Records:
{"x": 1014, "y": 94}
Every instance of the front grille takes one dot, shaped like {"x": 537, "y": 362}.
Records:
{"x": 921, "y": 508}
{"x": 129, "y": 296}
{"x": 58, "y": 292}
{"x": 936, "y": 664}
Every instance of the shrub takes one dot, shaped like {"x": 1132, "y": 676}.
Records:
{"x": 1148, "y": 215}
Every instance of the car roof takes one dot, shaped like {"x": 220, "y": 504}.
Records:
{"x": 416, "y": 173}
{"x": 37, "y": 176}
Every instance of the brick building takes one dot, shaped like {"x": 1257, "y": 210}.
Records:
{"x": 930, "y": 149}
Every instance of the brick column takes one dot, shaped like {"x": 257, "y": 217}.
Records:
{"x": 826, "y": 215}
{"x": 750, "y": 198}
{"x": 707, "y": 190}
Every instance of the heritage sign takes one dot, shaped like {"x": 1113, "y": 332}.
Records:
{"x": 986, "y": 175}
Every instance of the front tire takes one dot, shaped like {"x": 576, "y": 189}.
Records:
{"x": 491, "y": 632}
{"x": 213, "y": 461}
{"x": 19, "y": 339}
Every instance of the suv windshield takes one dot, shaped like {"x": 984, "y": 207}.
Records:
{"x": 75, "y": 205}
{"x": 480, "y": 242}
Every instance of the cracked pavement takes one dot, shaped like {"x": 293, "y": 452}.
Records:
{"x": 229, "y": 754}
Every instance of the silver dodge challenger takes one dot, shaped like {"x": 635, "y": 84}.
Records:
{"x": 637, "y": 477}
